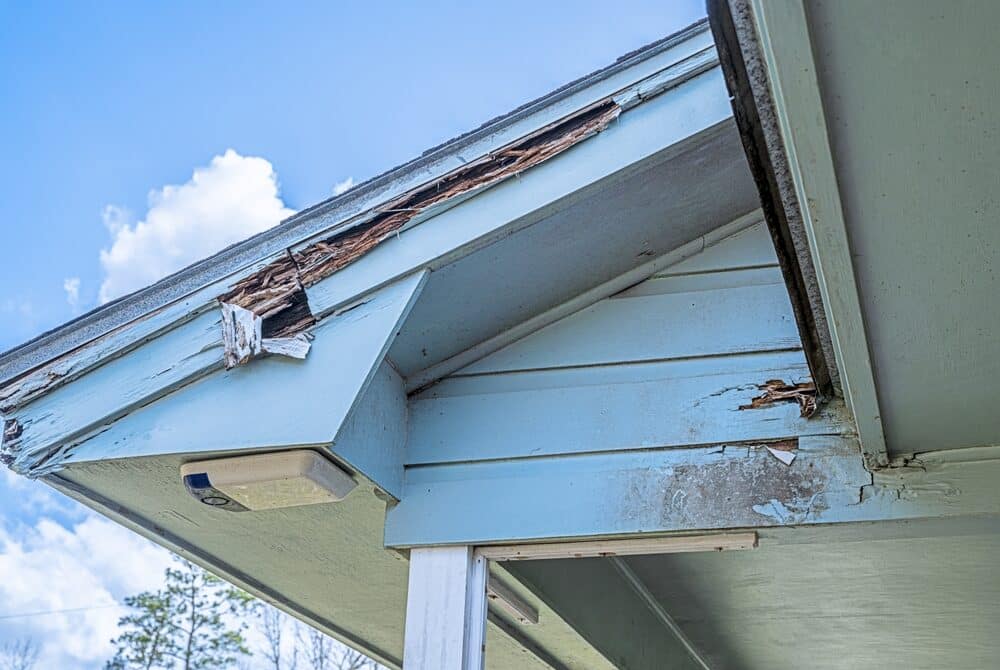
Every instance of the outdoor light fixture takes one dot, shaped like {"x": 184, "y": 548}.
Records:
{"x": 266, "y": 481}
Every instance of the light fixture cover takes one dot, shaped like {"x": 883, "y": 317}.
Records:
{"x": 267, "y": 481}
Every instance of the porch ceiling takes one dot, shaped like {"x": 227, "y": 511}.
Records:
{"x": 910, "y": 91}
{"x": 920, "y": 603}
{"x": 323, "y": 563}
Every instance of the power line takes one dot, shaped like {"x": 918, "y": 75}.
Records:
{"x": 24, "y": 615}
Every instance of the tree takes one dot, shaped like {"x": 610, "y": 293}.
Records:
{"x": 187, "y": 624}
{"x": 149, "y": 637}
{"x": 19, "y": 655}
{"x": 324, "y": 653}
{"x": 319, "y": 649}
{"x": 354, "y": 660}
{"x": 272, "y": 623}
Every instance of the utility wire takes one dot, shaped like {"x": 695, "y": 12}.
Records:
{"x": 24, "y": 615}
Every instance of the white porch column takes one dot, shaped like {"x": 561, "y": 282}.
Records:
{"x": 445, "y": 610}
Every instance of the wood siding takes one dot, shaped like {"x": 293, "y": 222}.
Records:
{"x": 629, "y": 416}
{"x": 656, "y": 365}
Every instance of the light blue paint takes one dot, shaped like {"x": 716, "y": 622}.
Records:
{"x": 578, "y": 410}
{"x": 121, "y": 385}
{"x": 268, "y": 403}
{"x": 304, "y": 86}
{"x": 623, "y": 493}
{"x": 373, "y": 438}
{"x": 657, "y": 324}
{"x": 651, "y": 131}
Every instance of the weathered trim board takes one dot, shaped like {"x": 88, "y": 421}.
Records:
{"x": 275, "y": 402}
{"x": 689, "y": 490}
{"x": 63, "y": 405}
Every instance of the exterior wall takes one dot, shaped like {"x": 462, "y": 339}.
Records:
{"x": 645, "y": 412}
{"x": 652, "y": 366}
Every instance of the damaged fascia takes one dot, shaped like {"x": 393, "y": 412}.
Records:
{"x": 242, "y": 338}
{"x": 277, "y": 292}
{"x": 276, "y": 295}
{"x": 267, "y": 312}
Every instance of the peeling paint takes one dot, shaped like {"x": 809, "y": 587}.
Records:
{"x": 786, "y": 457}
{"x": 776, "y": 390}
{"x": 794, "y": 511}
{"x": 734, "y": 486}
{"x": 908, "y": 478}
{"x": 242, "y": 338}
{"x": 241, "y": 334}
{"x": 12, "y": 430}
{"x": 268, "y": 312}
{"x": 276, "y": 295}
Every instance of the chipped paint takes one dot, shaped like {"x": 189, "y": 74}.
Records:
{"x": 776, "y": 390}
{"x": 786, "y": 457}
{"x": 273, "y": 301}
{"x": 242, "y": 338}
{"x": 798, "y": 510}
{"x": 268, "y": 311}
{"x": 11, "y": 432}
{"x": 738, "y": 483}
{"x": 912, "y": 477}
{"x": 189, "y": 333}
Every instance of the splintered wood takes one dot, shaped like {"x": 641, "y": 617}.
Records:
{"x": 323, "y": 258}
{"x": 240, "y": 334}
{"x": 276, "y": 292}
{"x": 776, "y": 390}
{"x": 242, "y": 338}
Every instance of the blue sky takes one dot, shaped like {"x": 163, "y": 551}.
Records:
{"x": 106, "y": 105}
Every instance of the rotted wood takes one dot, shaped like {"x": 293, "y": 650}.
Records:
{"x": 276, "y": 292}
{"x": 776, "y": 390}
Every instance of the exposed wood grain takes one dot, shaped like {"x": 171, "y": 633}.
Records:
{"x": 776, "y": 390}
{"x": 657, "y": 130}
{"x": 279, "y": 286}
{"x": 791, "y": 75}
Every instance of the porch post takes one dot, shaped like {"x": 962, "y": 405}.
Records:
{"x": 445, "y": 610}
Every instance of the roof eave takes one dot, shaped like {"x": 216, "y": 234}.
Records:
{"x": 342, "y": 212}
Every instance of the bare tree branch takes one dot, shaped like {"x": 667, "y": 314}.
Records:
{"x": 20, "y": 654}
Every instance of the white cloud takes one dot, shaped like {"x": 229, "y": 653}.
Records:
{"x": 50, "y": 568}
{"x": 231, "y": 199}
{"x": 20, "y": 307}
{"x": 87, "y": 564}
{"x": 72, "y": 287}
{"x": 343, "y": 186}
